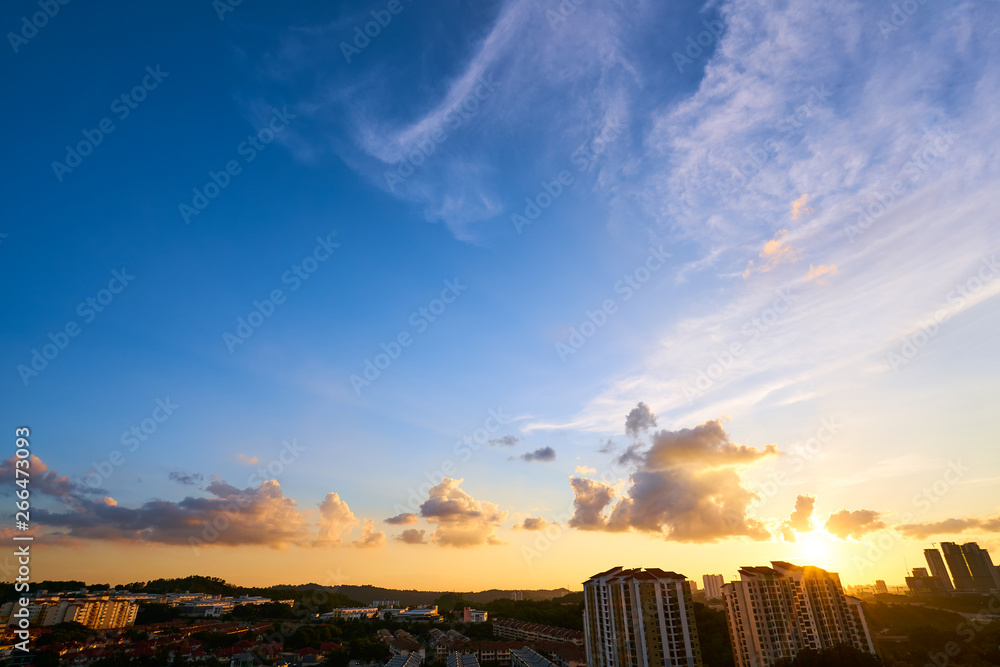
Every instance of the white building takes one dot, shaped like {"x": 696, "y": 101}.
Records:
{"x": 775, "y": 612}
{"x": 713, "y": 586}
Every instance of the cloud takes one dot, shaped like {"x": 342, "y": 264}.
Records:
{"x": 405, "y": 519}
{"x": 800, "y": 520}
{"x": 817, "y": 273}
{"x": 845, "y": 524}
{"x": 247, "y": 460}
{"x": 799, "y": 207}
{"x": 412, "y": 536}
{"x": 776, "y": 251}
{"x": 461, "y": 520}
{"x": 252, "y": 516}
{"x": 584, "y": 470}
{"x": 370, "y": 538}
{"x": 185, "y": 478}
{"x": 924, "y": 530}
{"x": 506, "y": 441}
{"x": 335, "y": 519}
{"x": 540, "y": 454}
{"x": 640, "y": 419}
{"x": 686, "y": 487}
{"x": 533, "y": 523}
{"x": 47, "y": 481}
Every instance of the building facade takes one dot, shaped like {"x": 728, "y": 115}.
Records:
{"x": 937, "y": 568}
{"x": 639, "y": 618}
{"x": 775, "y": 612}
{"x": 713, "y": 586}
{"x": 959, "y": 569}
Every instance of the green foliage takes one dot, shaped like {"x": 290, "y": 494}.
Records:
{"x": 837, "y": 656}
{"x": 564, "y": 612}
{"x": 910, "y": 634}
{"x": 65, "y": 632}
{"x": 258, "y": 612}
{"x": 713, "y": 636}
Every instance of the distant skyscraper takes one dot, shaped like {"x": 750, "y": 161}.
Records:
{"x": 713, "y": 586}
{"x": 960, "y": 572}
{"x": 880, "y": 587}
{"x": 775, "y": 612}
{"x": 981, "y": 566}
{"x": 936, "y": 564}
{"x": 639, "y": 618}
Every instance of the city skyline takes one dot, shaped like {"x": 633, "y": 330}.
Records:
{"x": 470, "y": 297}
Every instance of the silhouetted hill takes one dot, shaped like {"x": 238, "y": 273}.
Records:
{"x": 411, "y": 597}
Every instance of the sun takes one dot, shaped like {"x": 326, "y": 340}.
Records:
{"x": 816, "y": 547}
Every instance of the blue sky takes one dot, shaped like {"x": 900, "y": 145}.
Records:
{"x": 809, "y": 182}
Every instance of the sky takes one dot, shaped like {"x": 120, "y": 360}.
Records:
{"x": 458, "y": 296}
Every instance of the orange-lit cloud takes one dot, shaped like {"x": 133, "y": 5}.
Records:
{"x": 686, "y": 487}
{"x": 799, "y": 207}
{"x": 248, "y": 460}
{"x": 532, "y": 523}
{"x": 461, "y": 520}
{"x": 950, "y": 527}
{"x": 412, "y": 536}
{"x": 856, "y": 524}
{"x": 584, "y": 470}
{"x": 817, "y": 273}
{"x": 800, "y": 521}
{"x": 405, "y": 519}
{"x": 335, "y": 519}
{"x": 370, "y": 538}
{"x": 776, "y": 251}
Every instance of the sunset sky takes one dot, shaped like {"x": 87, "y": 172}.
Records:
{"x": 500, "y": 294}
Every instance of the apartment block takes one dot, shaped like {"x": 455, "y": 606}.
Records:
{"x": 639, "y": 618}
{"x": 713, "y": 586}
{"x": 775, "y": 612}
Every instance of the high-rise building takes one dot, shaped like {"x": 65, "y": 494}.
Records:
{"x": 880, "y": 587}
{"x": 960, "y": 572}
{"x": 981, "y": 566}
{"x": 639, "y": 618}
{"x": 775, "y": 612}
{"x": 938, "y": 571}
{"x": 713, "y": 586}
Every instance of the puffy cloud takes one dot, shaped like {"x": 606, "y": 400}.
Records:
{"x": 44, "y": 480}
{"x": 640, "y": 419}
{"x": 540, "y": 454}
{"x": 950, "y": 527}
{"x": 461, "y": 520}
{"x": 412, "y": 536}
{"x": 247, "y": 460}
{"x": 800, "y": 520}
{"x": 856, "y": 524}
{"x": 799, "y": 207}
{"x": 370, "y": 538}
{"x": 533, "y": 523}
{"x": 335, "y": 519}
{"x": 817, "y": 273}
{"x": 686, "y": 487}
{"x": 185, "y": 478}
{"x": 506, "y": 441}
{"x": 252, "y": 516}
{"x": 584, "y": 470}
{"x": 405, "y": 519}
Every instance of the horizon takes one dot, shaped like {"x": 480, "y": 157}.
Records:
{"x": 489, "y": 295}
